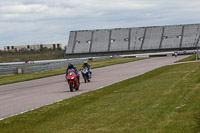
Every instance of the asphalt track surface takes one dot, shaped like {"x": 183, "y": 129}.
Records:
{"x": 24, "y": 96}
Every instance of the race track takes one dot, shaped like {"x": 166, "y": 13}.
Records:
{"x": 21, "y": 97}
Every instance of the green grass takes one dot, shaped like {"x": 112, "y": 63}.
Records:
{"x": 165, "y": 100}
{"x": 190, "y": 58}
{"x": 33, "y": 57}
{"x": 25, "y": 77}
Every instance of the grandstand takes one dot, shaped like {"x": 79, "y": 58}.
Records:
{"x": 132, "y": 40}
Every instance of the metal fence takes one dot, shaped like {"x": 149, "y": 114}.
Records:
{"x": 50, "y": 66}
{"x": 47, "y": 66}
{"x": 6, "y": 70}
{"x": 56, "y": 65}
{"x": 100, "y": 58}
{"x": 61, "y": 64}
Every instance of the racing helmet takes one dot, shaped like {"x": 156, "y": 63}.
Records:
{"x": 70, "y": 65}
{"x": 85, "y": 62}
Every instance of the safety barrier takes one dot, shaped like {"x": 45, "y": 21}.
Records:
{"x": 101, "y": 58}
{"x": 6, "y": 70}
{"x": 50, "y": 66}
{"x": 61, "y": 64}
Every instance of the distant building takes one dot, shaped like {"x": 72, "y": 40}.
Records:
{"x": 33, "y": 47}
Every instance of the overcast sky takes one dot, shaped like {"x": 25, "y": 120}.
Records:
{"x": 26, "y": 22}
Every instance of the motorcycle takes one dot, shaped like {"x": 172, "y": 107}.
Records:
{"x": 72, "y": 81}
{"x": 86, "y": 74}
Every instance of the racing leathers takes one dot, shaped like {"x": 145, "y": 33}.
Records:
{"x": 74, "y": 70}
{"x": 88, "y": 67}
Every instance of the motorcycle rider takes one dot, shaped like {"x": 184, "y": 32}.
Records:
{"x": 71, "y": 67}
{"x": 87, "y": 66}
{"x": 175, "y": 54}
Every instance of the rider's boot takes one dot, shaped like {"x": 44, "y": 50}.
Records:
{"x": 78, "y": 79}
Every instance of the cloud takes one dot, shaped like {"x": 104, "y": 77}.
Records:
{"x": 62, "y": 9}
{"x": 46, "y": 21}
{"x": 23, "y": 9}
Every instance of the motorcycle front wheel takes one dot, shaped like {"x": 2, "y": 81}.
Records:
{"x": 85, "y": 78}
{"x": 71, "y": 86}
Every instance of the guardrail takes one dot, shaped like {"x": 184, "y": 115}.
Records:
{"x": 41, "y": 66}
{"x": 55, "y": 65}
{"x": 49, "y": 66}
{"x": 6, "y": 70}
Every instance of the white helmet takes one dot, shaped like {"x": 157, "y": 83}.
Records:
{"x": 85, "y": 61}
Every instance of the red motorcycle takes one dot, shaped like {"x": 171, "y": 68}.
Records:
{"x": 72, "y": 81}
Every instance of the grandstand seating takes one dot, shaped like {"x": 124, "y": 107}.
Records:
{"x": 83, "y": 41}
{"x": 152, "y": 38}
{"x": 190, "y": 36}
{"x": 119, "y": 40}
{"x": 100, "y": 41}
{"x": 171, "y": 37}
{"x": 134, "y": 39}
{"x": 71, "y": 42}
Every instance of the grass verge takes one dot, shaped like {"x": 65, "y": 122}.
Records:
{"x": 33, "y": 57}
{"x": 165, "y": 100}
{"x": 25, "y": 77}
{"x": 190, "y": 58}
